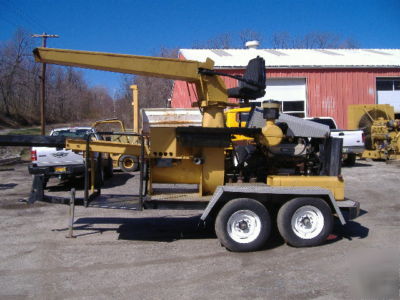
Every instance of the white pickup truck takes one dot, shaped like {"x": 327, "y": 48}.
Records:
{"x": 353, "y": 142}
{"x": 65, "y": 164}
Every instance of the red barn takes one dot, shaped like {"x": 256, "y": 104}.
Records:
{"x": 309, "y": 82}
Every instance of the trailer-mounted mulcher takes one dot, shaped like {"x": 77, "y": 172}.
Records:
{"x": 288, "y": 174}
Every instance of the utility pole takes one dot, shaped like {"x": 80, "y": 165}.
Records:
{"x": 44, "y": 37}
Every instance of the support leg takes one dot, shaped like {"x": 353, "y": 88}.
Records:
{"x": 37, "y": 192}
{"x": 71, "y": 215}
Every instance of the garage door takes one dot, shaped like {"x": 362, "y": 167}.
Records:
{"x": 388, "y": 92}
{"x": 291, "y": 92}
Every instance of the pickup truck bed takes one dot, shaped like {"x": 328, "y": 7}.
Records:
{"x": 353, "y": 142}
{"x": 62, "y": 163}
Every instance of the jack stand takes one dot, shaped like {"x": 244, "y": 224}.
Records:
{"x": 37, "y": 192}
{"x": 71, "y": 215}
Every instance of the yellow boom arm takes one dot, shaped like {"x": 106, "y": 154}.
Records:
{"x": 211, "y": 90}
{"x": 131, "y": 64}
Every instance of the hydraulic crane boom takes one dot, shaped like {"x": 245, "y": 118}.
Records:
{"x": 170, "y": 68}
{"x": 211, "y": 90}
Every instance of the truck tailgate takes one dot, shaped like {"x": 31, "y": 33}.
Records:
{"x": 56, "y": 157}
{"x": 351, "y": 138}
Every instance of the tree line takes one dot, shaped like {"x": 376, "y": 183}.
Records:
{"x": 69, "y": 98}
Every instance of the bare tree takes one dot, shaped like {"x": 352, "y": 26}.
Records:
{"x": 281, "y": 40}
{"x": 13, "y": 63}
{"x": 249, "y": 35}
{"x": 312, "y": 40}
{"x": 349, "y": 43}
{"x": 221, "y": 41}
{"x": 229, "y": 40}
{"x": 68, "y": 96}
{"x": 153, "y": 92}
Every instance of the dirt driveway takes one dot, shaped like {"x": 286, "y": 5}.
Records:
{"x": 162, "y": 254}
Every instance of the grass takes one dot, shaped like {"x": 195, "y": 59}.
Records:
{"x": 25, "y": 131}
{"x": 24, "y": 152}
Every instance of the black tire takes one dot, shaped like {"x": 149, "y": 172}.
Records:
{"x": 350, "y": 161}
{"x": 45, "y": 181}
{"x": 128, "y": 163}
{"x": 99, "y": 174}
{"x": 243, "y": 212}
{"x": 296, "y": 233}
{"x": 108, "y": 169}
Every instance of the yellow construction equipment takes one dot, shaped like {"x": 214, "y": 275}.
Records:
{"x": 291, "y": 166}
{"x": 212, "y": 99}
{"x": 382, "y": 130}
{"x": 211, "y": 91}
{"x": 127, "y": 163}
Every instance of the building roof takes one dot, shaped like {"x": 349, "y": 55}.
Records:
{"x": 299, "y": 58}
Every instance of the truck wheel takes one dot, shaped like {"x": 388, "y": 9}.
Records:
{"x": 108, "y": 169}
{"x": 305, "y": 222}
{"x": 350, "y": 160}
{"x": 128, "y": 163}
{"x": 243, "y": 225}
{"x": 45, "y": 181}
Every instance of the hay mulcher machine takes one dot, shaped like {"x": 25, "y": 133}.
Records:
{"x": 288, "y": 174}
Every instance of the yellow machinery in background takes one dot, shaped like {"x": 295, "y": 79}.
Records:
{"x": 126, "y": 162}
{"x": 382, "y": 130}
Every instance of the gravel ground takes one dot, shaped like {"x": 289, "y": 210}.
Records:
{"x": 161, "y": 254}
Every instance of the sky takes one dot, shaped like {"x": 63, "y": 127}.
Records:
{"x": 143, "y": 27}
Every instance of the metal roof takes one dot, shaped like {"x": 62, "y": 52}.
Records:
{"x": 299, "y": 58}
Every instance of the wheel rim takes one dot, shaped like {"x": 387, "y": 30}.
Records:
{"x": 307, "y": 222}
{"x": 244, "y": 226}
{"x": 128, "y": 163}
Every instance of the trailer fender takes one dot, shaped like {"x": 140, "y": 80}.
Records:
{"x": 222, "y": 193}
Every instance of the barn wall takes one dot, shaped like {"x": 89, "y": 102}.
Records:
{"x": 329, "y": 91}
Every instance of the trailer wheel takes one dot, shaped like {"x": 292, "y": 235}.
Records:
{"x": 350, "y": 161}
{"x": 243, "y": 225}
{"x": 108, "y": 169}
{"x": 128, "y": 163}
{"x": 305, "y": 222}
